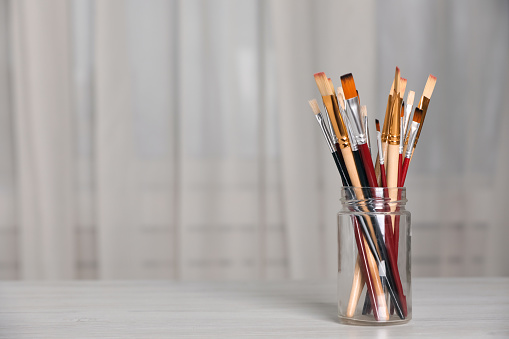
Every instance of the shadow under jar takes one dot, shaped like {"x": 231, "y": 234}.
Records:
{"x": 374, "y": 257}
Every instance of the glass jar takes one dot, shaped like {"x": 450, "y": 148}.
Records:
{"x": 374, "y": 267}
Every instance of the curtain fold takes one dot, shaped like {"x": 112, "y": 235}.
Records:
{"x": 44, "y": 140}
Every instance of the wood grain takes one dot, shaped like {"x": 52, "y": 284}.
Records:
{"x": 442, "y": 308}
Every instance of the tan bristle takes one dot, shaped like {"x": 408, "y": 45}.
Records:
{"x": 322, "y": 83}
{"x": 340, "y": 91}
{"x": 430, "y": 86}
{"x": 377, "y": 123}
{"x": 331, "y": 85}
{"x": 402, "y": 87}
{"x": 348, "y": 86}
{"x": 396, "y": 80}
{"x": 341, "y": 99}
{"x": 417, "y": 115}
{"x": 314, "y": 106}
{"x": 410, "y": 98}
{"x": 364, "y": 111}
{"x": 392, "y": 87}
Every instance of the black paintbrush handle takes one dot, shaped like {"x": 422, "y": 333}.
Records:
{"x": 360, "y": 168}
{"x": 340, "y": 164}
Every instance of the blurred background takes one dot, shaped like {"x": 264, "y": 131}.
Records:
{"x": 173, "y": 139}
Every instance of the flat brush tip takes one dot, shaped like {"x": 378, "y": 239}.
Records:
{"x": 410, "y": 98}
{"x": 377, "y": 123}
{"x": 314, "y": 106}
{"x": 417, "y": 115}
{"x": 348, "y": 85}
{"x": 323, "y": 84}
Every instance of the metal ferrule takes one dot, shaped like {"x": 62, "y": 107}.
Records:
{"x": 424, "y": 107}
{"x": 404, "y": 126}
{"x": 366, "y": 131}
{"x": 401, "y": 139}
{"x": 332, "y": 106}
{"x": 330, "y": 129}
{"x": 348, "y": 124}
{"x": 394, "y": 126}
{"x": 414, "y": 127}
{"x": 353, "y": 113}
{"x": 379, "y": 144}
{"x": 325, "y": 132}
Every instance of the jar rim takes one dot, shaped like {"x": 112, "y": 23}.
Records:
{"x": 373, "y": 195}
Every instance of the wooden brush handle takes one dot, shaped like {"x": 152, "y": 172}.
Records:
{"x": 367, "y": 270}
{"x": 350, "y": 167}
{"x": 383, "y": 311}
{"x": 392, "y": 167}
{"x": 392, "y": 174}
{"x": 357, "y": 285}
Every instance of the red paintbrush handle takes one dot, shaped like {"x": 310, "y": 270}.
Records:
{"x": 368, "y": 165}
{"x": 393, "y": 262}
{"x": 383, "y": 175}
{"x": 400, "y": 168}
{"x": 403, "y": 172}
{"x": 365, "y": 268}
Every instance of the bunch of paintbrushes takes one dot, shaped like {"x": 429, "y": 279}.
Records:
{"x": 345, "y": 128}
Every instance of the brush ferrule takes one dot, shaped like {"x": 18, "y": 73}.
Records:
{"x": 330, "y": 129}
{"x": 353, "y": 142}
{"x": 401, "y": 139}
{"x": 366, "y": 131}
{"x": 325, "y": 132}
{"x": 406, "y": 119}
{"x": 395, "y": 123}
{"x": 353, "y": 113}
{"x": 414, "y": 127}
{"x": 379, "y": 144}
{"x": 332, "y": 106}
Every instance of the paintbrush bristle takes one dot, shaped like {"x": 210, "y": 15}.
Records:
{"x": 410, "y": 98}
{"x": 417, "y": 115}
{"x": 377, "y": 123}
{"x": 348, "y": 86}
{"x": 340, "y": 91}
{"x": 322, "y": 83}
{"x": 314, "y": 106}
{"x": 430, "y": 86}
{"x": 364, "y": 111}
{"x": 402, "y": 87}
{"x": 331, "y": 85}
{"x": 341, "y": 99}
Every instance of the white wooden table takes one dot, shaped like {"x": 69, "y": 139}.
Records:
{"x": 116, "y": 309}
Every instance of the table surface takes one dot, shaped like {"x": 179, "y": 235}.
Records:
{"x": 476, "y": 307}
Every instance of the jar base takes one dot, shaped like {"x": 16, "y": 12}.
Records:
{"x": 368, "y": 321}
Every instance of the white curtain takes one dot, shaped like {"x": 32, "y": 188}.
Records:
{"x": 172, "y": 139}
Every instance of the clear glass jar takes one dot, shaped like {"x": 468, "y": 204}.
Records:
{"x": 374, "y": 267}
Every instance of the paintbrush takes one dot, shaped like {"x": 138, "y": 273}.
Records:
{"x": 412, "y": 135}
{"x": 328, "y": 139}
{"x": 354, "y": 114}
